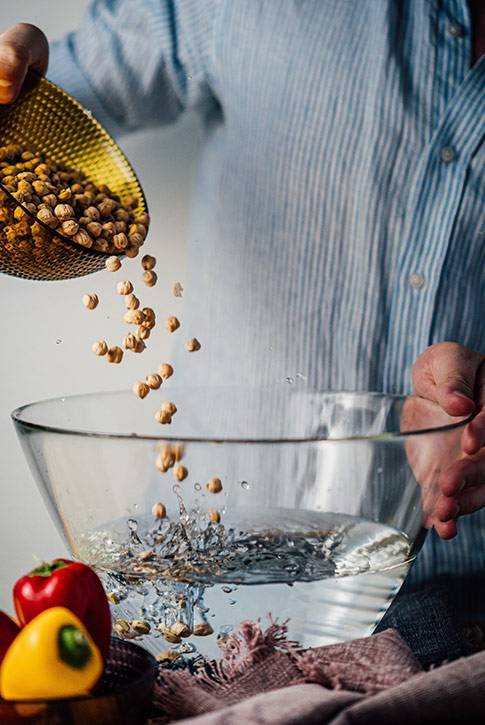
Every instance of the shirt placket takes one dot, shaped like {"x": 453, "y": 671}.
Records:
{"x": 436, "y": 192}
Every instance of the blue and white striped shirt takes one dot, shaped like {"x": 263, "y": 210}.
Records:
{"x": 337, "y": 226}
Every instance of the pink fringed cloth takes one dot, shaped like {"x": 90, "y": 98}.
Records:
{"x": 264, "y": 678}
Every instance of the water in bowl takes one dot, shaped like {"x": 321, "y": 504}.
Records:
{"x": 331, "y": 575}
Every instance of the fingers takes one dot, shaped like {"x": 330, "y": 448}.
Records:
{"x": 463, "y": 473}
{"x": 473, "y": 437}
{"x": 446, "y": 530}
{"x": 22, "y": 46}
{"x": 446, "y": 373}
{"x": 474, "y": 434}
{"x": 462, "y": 492}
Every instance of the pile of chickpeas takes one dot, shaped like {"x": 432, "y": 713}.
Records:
{"x": 68, "y": 204}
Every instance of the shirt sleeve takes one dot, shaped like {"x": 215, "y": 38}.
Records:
{"x": 138, "y": 63}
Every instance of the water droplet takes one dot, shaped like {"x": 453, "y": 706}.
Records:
{"x": 300, "y": 376}
{"x": 186, "y": 648}
{"x": 232, "y": 601}
{"x": 197, "y": 486}
{"x": 245, "y": 485}
{"x": 132, "y": 524}
{"x": 226, "y": 590}
{"x": 289, "y": 380}
{"x": 58, "y": 341}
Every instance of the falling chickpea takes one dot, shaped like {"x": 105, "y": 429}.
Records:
{"x": 153, "y": 381}
{"x": 130, "y": 342}
{"x": 172, "y": 324}
{"x": 114, "y": 355}
{"x": 178, "y": 450}
{"x": 100, "y": 348}
{"x": 214, "y": 485}
{"x": 149, "y": 278}
{"x": 163, "y": 417}
{"x": 150, "y": 318}
{"x": 215, "y": 516}
{"x": 124, "y": 287}
{"x": 159, "y": 510}
{"x": 165, "y": 459}
{"x": 132, "y": 302}
{"x": 148, "y": 262}
{"x": 165, "y": 370}
{"x": 192, "y": 345}
{"x": 141, "y": 390}
{"x": 142, "y": 333}
{"x": 90, "y": 301}
{"x": 134, "y": 317}
{"x": 181, "y": 473}
{"x": 177, "y": 289}
{"x": 169, "y": 407}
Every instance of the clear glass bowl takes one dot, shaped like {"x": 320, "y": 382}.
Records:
{"x": 321, "y": 510}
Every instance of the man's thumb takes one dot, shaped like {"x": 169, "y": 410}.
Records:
{"x": 455, "y": 370}
{"x": 446, "y": 373}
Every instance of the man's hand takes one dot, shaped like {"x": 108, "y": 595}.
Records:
{"x": 22, "y": 46}
{"x": 454, "y": 377}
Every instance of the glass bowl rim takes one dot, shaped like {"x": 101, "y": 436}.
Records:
{"x": 17, "y": 413}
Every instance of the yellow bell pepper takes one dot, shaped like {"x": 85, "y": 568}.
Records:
{"x": 52, "y": 657}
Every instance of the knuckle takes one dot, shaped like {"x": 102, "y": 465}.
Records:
{"x": 464, "y": 379}
{"x": 12, "y": 56}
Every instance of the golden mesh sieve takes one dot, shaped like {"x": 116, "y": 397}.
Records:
{"x": 53, "y": 124}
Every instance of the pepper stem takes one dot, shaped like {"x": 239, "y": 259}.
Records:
{"x": 46, "y": 568}
{"x": 73, "y": 646}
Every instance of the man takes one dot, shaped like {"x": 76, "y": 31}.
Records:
{"x": 337, "y": 231}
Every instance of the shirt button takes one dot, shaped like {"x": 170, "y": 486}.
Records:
{"x": 416, "y": 280}
{"x": 455, "y": 30}
{"x": 448, "y": 154}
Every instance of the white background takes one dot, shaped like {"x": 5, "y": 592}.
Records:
{"x": 46, "y": 336}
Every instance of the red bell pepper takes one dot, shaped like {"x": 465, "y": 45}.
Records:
{"x": 70, "y": 584}
{"x": 8, "y": 631}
